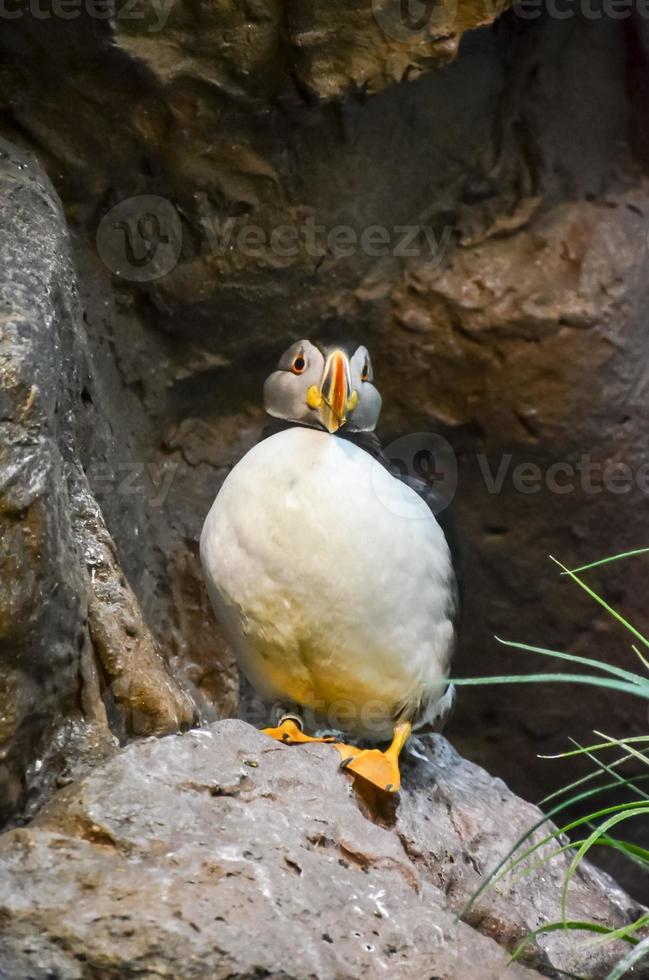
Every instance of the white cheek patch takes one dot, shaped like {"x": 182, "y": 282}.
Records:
{"x": 366, "y": 414}
{"x": 285, "y": 394}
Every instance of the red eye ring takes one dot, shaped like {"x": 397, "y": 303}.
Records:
{"x": 298, "y": 365}
{"x": 365, "y": 373}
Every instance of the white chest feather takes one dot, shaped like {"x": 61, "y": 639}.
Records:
{"x": 332, "y": 579}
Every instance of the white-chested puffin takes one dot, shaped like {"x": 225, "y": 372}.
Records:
{"x": 331, "y": 575}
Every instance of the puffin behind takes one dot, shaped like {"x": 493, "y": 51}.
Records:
{"x": 331, "y": 576}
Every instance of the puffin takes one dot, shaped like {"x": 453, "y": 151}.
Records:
{"x": 330, "y": 572}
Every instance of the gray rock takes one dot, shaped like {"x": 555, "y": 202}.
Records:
{"x": 221, "y": 853}
{"x": 43, "y": 595}
{"x": 72, "y": 639}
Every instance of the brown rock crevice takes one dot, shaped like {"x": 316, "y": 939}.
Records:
{"x": 150, "y": 701}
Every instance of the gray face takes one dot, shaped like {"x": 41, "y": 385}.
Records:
{"x": 324, "y": 388}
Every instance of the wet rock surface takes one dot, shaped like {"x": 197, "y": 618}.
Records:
{"x": 72, "y": 642}
{"x": 42, "y": 610}
{"x": 221, "y": 853}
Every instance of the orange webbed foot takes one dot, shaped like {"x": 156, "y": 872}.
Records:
{"x": 376, "y": 767}
{"x": 289, "y": 732}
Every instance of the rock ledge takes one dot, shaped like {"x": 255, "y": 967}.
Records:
{"x": 219, "y": 853}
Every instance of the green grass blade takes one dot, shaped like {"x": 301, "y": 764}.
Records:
{"x": 628, "y": 812}
{"x": 627, "y": 962}
{"x": 642, "y": 657}
{"x": 539, "y": 864}
{"x": 572, "y": 925}
{"x": 632, "y": 852}
{"x": 620, "y": 809}
{"x": 613, "y": 685}
{"x": 609, "y": 769}
{"x": 602, "y": 768}
{"x": 625, "y": 808}
{"x": 625, "y": 933}
{"x": 602, "y": 602}
{"x": 555, "y": 836}
{"x": 626, "y": 847}
{"x": 491, "y": 877}
{"x": 606, "y": 561}
{"x": 585, "y": 661}
{"x": 634, "y": 752}
{"x": 615, "y": 679}
{"x": 625, "y": 742}
{"x": 605, "y": 841}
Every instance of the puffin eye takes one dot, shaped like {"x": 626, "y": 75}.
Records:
{"x": 365, "y": 373}
{"x": 298, "y": 365}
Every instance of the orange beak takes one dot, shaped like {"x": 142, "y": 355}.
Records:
{"x": 336, "y": 391}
